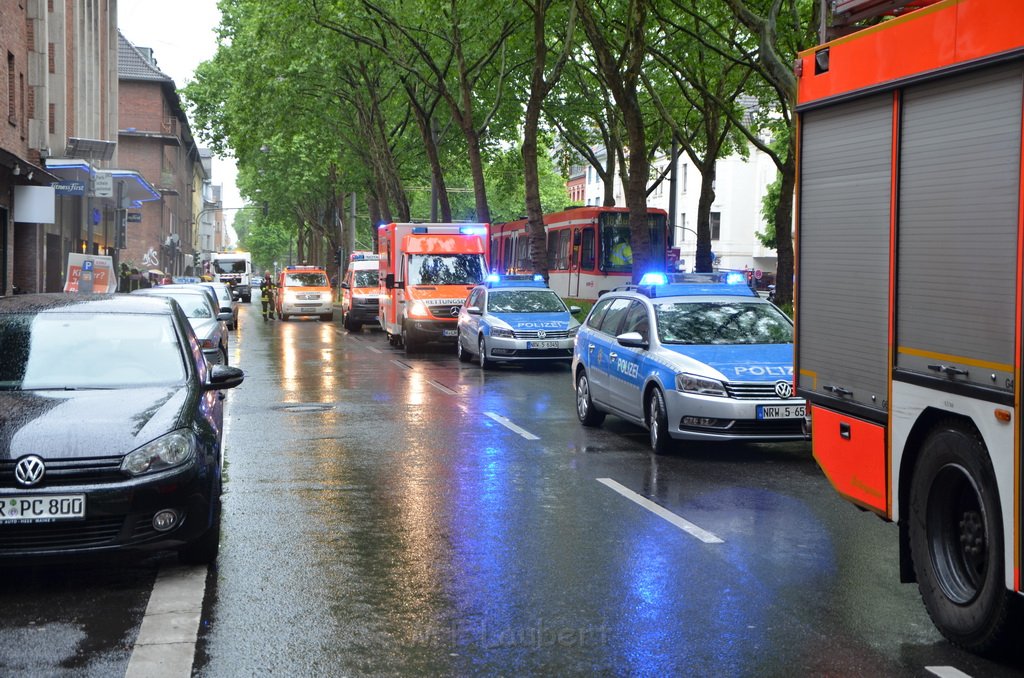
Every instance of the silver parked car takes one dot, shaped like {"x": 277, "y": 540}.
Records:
{"x": 225, "y": 301}
{"x": 211, "y": 332}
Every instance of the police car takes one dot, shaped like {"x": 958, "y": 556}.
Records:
{"x": 515, "y": 318}
{"x": 691, "y": 357}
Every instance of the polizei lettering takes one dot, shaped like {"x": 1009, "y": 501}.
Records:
{"x": 766, "y": 371}
{"x": 627, "y": 368}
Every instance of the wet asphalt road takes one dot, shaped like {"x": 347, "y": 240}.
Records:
{"x": 381, "y": 519}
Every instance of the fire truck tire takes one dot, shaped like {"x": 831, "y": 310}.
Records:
{"x": 326, "y": 317}
{"x": 956, "y": 540}
{"x": 657, "y": 422}
{"x": 586, "y": 411}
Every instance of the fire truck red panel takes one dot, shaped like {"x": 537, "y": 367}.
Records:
{"x": 852, "y": 453}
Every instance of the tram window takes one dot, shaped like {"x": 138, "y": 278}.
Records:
{"x": 587, "y": 250}
{"x": 524, "y": 263}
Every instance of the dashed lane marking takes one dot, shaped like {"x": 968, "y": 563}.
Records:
{"x": 662, "y": 512}
{"x": 374, "y": 349}
{"x": 404, "y": 366}
{"x": 946, "y": 672}
{"x": 510, "y": 426}
{"x": 441, "y": 387}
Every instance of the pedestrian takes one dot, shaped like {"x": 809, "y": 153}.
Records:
{"x": 267, "y": 296}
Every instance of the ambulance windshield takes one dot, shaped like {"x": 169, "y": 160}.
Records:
{"x": 446, "y": 269}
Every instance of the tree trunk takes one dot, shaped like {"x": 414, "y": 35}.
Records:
{"x": 784, "y": 233}
{"x": 531, "y": 177}
{"x": 609, "y": 178}
{"x": 476, "y": 165}
{"x": 704, "y": 262}
{"x": 436, "y": 171}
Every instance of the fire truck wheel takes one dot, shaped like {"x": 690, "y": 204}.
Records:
{"x": 411, "y": 345}
{"x": 956, "y": 540}
{"x": 657, "y": 422}
{"x": 586, "y": 411}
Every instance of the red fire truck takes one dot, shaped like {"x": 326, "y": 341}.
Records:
{"x": 426, "y": 273}
{"x": 909, "y": 293}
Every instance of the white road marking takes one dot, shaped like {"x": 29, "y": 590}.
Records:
{"x": 404, "y": 366}
{"x": 441, "y": 387}
{"x": 662, "y": 512}
{"x": 167, "y": 638}
{"x": 374, "y": 349}
{"x": 947, "y": 672}
{"x": 510, "y": 426}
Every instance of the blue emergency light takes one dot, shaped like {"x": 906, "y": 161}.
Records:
{"x": 657, "y": 284}
{"x": 513, "y": 280}
{"x": 419, "y": 230}
{"x": 473, "y": 230}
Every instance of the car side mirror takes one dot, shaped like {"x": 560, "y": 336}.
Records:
{"x": 344, "y": 286}
{"x": 389, "y": 281}
{"x": 632, "y": 340}
{"x": 474, "y": 310}
{"x": 575, "y": 310}
{"x": 225, "y": 316}
{"x": 223, "y": 377}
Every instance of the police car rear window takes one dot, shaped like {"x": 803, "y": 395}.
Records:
{"x": 722, "y": 323}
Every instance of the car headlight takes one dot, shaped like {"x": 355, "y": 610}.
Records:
{"x": 573, "y": 331}
{"x": 689, "y": 383}
{"x": 173, "y": 449}
{"x": 502, "y": 333}
{"x": 419, "y": 310}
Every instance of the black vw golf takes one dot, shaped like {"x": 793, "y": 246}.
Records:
{"x": 110, "y": 429}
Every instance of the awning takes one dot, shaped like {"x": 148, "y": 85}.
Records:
{"x": 135, "y": 189}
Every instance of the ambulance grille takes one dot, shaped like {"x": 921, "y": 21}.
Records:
{"x": 756, "y": 390}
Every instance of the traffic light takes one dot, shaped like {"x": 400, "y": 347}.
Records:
{"x": 337, "y": 257}
{"x": 266, "y": 208}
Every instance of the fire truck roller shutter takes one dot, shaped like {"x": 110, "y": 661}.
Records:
{"x": 958, "y": 204}
{"x": 845, "y": 196}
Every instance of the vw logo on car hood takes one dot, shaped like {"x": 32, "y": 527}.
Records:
{"x": 784, "y": 389}
{"x": 29, "y": 471}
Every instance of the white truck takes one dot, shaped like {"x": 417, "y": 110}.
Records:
{"x": 235, "y": 270}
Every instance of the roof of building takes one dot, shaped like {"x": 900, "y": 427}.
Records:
{"x": 134, "y": 64}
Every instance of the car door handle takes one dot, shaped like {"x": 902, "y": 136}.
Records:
{"x": 590, "y": 347}
{"x": 613, "y": 355}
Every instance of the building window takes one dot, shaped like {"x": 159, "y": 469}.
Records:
{"x": 12, "y": 110}
{"x": 716, "y": 225}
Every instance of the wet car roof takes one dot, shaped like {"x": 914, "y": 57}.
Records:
{"x": 86, "y": 303}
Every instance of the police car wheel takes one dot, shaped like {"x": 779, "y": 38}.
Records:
{"x": 586, "y": 411}
{"x": 956, "y": 541}
{"x": 461, "y": 352}
{"x": 657, "y": 422}
{"x": 485, "y": 364}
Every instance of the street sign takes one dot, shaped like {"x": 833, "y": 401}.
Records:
{"x": 135, "y": 217}
{"x": 758, "y": 273}
{"x": 103, "y": 184}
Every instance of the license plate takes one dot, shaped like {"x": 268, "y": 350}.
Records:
{"x": 307, "y": 309}
{"x": 542, "y": 344}
{"x": 781, "y": 411}
{"x": 42, "y": 508}
{"x": 308, "y": 296}
{"x": 449, "y": 333}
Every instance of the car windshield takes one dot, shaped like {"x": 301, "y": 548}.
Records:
{"x": 525, "y": 301}
{"x": 85, "y": 351}
{"x": 229, "y": 265}
{"x": 305, "y": 280}
{"x": 446, "y": 269}
{"x": 194, "y": 305}
{"x": 722, "y": 322}
{"x": 366, "y": 278}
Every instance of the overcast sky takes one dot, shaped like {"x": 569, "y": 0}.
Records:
{"x": 180, "y": 32}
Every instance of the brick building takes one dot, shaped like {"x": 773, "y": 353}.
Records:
{"x": 154, "y": 137}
